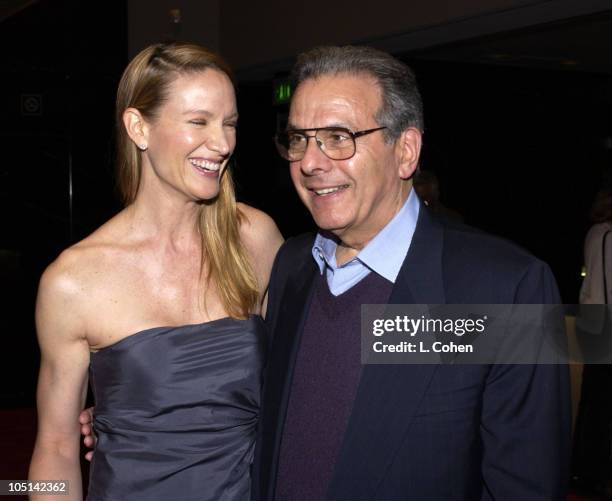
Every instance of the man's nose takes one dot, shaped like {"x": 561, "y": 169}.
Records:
{"x": 314, "y": 160}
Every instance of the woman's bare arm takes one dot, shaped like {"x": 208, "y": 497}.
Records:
{"x": 62, "y": 382}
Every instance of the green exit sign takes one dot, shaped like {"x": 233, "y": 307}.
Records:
{"x": 282, "y": 92}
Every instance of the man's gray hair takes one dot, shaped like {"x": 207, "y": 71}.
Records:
{"x": 402, "y": 106}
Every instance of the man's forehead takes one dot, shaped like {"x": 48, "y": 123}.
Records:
{"x": 340, "y": 81}
{"x": 336, "y": 97}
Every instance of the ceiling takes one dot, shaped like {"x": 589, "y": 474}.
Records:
{"x": 9, "y": 8}
{"x": 578, "y": 44}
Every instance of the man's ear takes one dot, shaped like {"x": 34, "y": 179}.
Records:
{"x": 136, "y": 127}
{"x": 408, "y": 150}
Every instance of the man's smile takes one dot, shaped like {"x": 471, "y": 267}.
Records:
{"x": 328, "y": 190}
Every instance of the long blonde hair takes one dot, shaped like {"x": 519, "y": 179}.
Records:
{"x": 144, "y": 86}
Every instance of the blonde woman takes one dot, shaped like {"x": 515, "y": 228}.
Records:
{"x": 160, "y": 306}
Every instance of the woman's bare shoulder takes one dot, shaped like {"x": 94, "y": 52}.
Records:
{"x": 259, "y": 231}
{"x": 61, "y": 292}
{"x": 83, "y": 261}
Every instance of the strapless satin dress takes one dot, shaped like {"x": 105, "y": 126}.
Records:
{"x": 176, "y": 410}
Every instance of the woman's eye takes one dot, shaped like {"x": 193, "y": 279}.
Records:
{"x": 233, "y": 125}
{"x": 198, "y": 122}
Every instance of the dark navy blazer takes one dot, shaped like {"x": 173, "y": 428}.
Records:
{"x": 431, "y": 432}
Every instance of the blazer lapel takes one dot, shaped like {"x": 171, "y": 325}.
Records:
{"x": 388, "y": 395}
{"x": 420, "y": 278}
{"x": 288, "y": 327}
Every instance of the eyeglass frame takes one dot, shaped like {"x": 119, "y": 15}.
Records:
{"x": 353, "y": 135}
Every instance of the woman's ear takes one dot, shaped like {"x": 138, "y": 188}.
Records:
{"x": 136, "y": 127}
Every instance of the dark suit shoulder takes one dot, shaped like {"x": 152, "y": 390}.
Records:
{"x": 295, "y": 250}
{"x": 473, "y": 245}
{"x": 293, "y": 263}
{"x": 299, "y": 243}
{"x": 510, "y": 273}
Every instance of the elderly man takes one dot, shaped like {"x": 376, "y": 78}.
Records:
{"x": 334, "y": 429}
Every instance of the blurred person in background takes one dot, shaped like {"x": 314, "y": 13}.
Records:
{"x": 592, "y": 436}
{"x": 427, "y": 186}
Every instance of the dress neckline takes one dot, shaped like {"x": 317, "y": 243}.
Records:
{"x": 170, "y": 328}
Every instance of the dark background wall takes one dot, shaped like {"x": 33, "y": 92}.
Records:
{"x": 60, "y": 68}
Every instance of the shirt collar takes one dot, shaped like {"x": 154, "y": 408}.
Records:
{"x": 385, "y": 253}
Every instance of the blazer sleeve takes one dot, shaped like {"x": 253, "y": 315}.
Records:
{"x": 258, "y": 484}
{"x": 526, "y": 417}
{"x": 274, "y": 288}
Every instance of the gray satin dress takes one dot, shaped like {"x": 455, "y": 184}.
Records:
{"x": 176, "y": 411}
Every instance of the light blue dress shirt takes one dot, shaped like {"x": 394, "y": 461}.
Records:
{"x": 384, "y": 254}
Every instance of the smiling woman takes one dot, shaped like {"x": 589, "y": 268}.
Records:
{"x": 161, "y": 305}
{"x": 184, "y": 140}
{"x": 182, "y": 96}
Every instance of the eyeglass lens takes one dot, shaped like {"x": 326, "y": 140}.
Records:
{"x": 337, "y": 144}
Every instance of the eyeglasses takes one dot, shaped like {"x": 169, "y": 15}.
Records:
{"x": 336, "y": 143}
